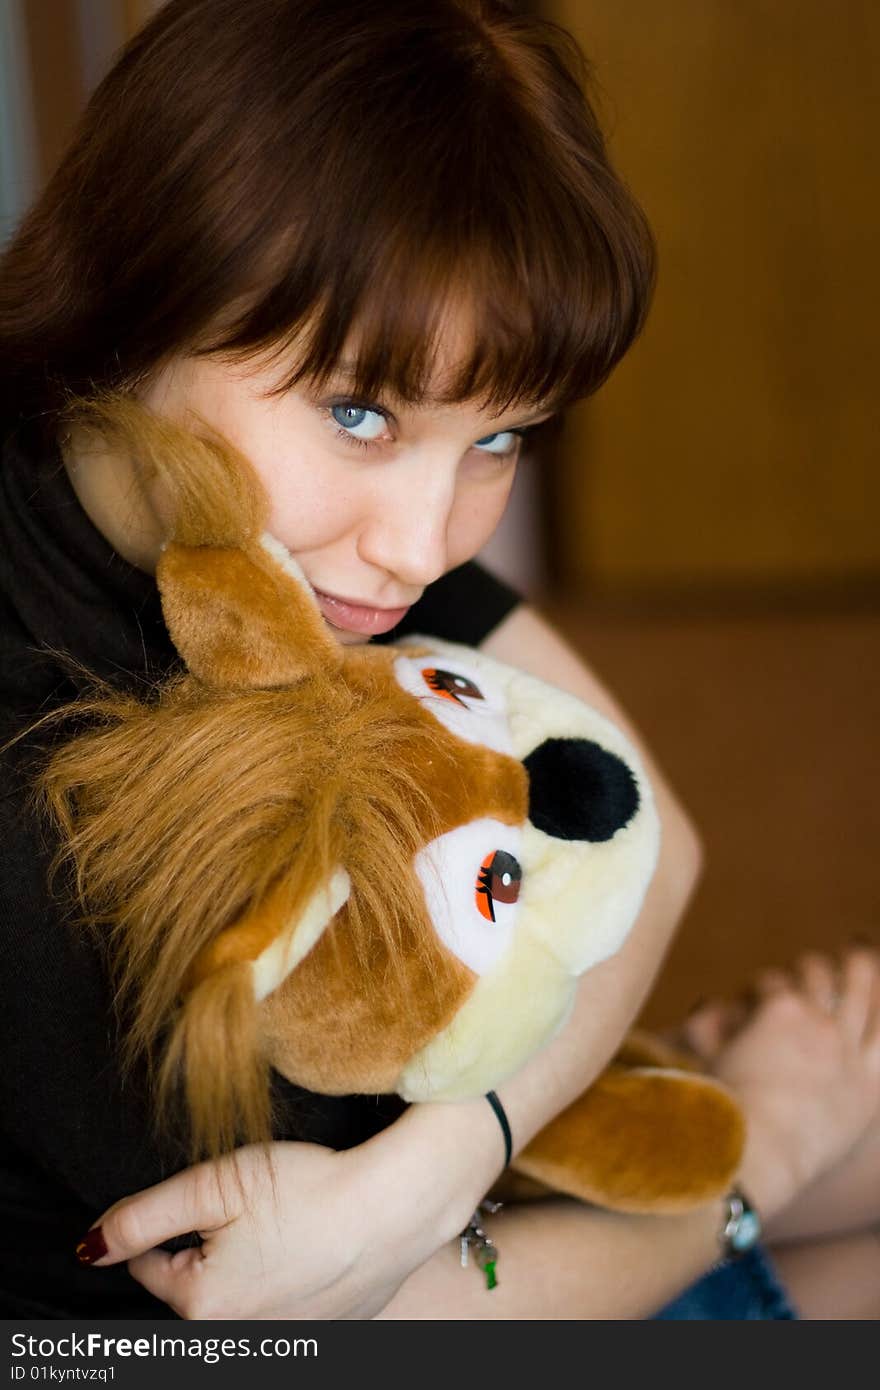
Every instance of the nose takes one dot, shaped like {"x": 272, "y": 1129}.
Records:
{"x": 579, "y": 791}
{"x": 407, "y": 532}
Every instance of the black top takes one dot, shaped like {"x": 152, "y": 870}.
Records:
{"x": 73, "y": 1137}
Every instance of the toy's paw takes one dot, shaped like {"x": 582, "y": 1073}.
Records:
{"x": 641, "y": 1140}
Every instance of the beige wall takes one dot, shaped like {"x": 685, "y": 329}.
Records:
{"x": 738, "y": 443}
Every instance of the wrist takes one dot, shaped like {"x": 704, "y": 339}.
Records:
{"x": 439, "y": 1160}
{"x": 767, "y": 1173}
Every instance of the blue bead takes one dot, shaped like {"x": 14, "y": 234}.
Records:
{"x": 747, "y": 1232}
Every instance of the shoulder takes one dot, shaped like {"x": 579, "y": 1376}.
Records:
{"x": 529, "y": 641}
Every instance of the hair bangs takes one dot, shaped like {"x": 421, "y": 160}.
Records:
{"x": 505, "y": 313}
{"x": 488, "y": 256}
{"x": 419, "y": 190}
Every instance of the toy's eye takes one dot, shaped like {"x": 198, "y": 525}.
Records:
{"x": 498, "y": 881}
{"x": 460, "y": 912}
{"x": 450, "y": 685}
{"x": 466, "y": 700}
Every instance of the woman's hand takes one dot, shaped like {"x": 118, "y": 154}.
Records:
{"x": 318, "y": 1234}
{"x": 806, "y": 1066}
{"x": 293, "y": 1252}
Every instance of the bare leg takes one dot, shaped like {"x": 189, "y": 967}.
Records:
{"x": 833, "y": 1279}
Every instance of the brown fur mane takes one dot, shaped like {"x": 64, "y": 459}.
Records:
{"x": 181, "y": 814}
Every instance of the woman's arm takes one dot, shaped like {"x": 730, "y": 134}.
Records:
{"x": 558, "y": 1259}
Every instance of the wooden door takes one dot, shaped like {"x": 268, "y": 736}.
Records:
{"x": 737, "y": 445}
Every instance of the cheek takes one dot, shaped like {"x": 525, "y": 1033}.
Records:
{"x": 307, "y": 510}
{"x": 475, "y": 516}
{"x": 310, "y": 501}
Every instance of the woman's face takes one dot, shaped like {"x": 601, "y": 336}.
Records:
{"x": 373, "y": 499}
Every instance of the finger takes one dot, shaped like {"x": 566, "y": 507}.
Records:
{"x": 770, "y": 982}
{"x": 860, "y": 991}
{"x": 819, "y": 979}
{"x": 871, "y": 1040}
{"x": 170, "y": 1278}
{"x": 709, "y": 1027}
{"x": 200, "y": 1199}
{"x": 872, "y": 1023}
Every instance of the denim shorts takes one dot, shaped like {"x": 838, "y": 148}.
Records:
{"x": 735, "y": 1291}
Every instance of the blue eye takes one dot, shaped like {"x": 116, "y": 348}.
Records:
{"x": 503, "y": 443}
{"x": 358, "y": 421}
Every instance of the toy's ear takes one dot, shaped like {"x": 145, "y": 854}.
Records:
{"x": 243, "y": 618}
{"x": 270, "y": 940}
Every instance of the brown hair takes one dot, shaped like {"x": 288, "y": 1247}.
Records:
{"x": 264, "y": 173}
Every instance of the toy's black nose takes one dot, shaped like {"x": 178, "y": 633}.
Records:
{"x": 579, "y": 791}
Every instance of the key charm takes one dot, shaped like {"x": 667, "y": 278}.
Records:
{"x": 473, "y": 1237}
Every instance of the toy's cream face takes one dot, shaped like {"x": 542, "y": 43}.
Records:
{"x": 583, "y": 859}
{"x": 471, "y": 876}
{"x": 520, "y": 904}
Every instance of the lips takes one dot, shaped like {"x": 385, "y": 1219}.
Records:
{"x": 364, "y": 619}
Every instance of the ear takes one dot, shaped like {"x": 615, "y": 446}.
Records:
{"x": 243, "y": 618}
{"x": 270, "y": 940}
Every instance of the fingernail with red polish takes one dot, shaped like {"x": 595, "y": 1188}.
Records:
{"x": 91, "y": 1247}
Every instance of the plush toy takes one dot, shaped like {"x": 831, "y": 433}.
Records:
{"x": 376, "y": 869}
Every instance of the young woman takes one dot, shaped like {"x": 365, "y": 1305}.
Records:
{"x": 374, "y": 244}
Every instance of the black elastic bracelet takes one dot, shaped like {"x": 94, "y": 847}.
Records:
{"x": 504, "y": 1123}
